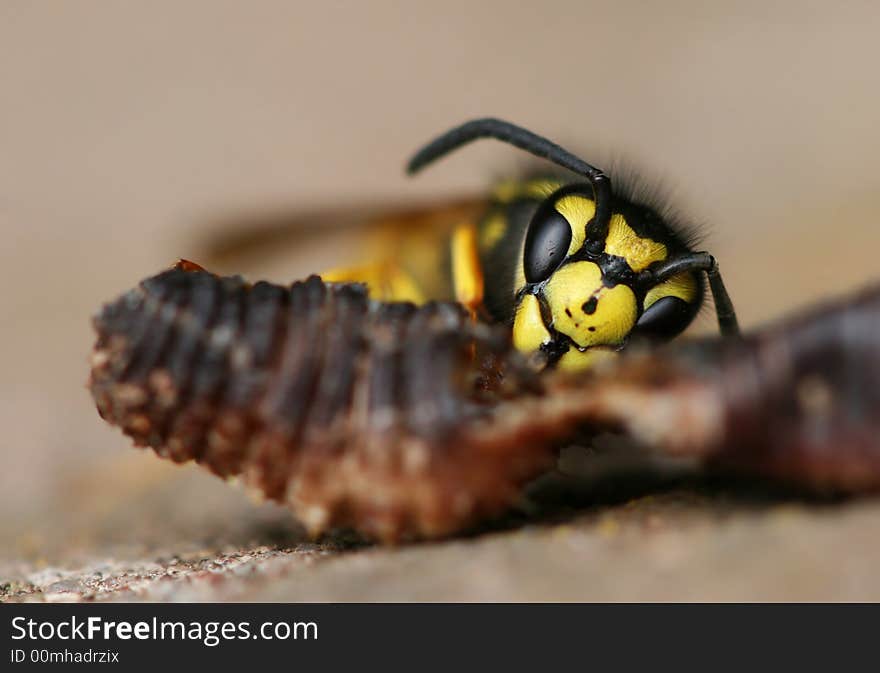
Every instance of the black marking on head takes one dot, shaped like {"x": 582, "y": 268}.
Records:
{"x": 589, "y": 306}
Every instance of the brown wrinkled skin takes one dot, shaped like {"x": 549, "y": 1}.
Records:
{"x": 405, "y": 422}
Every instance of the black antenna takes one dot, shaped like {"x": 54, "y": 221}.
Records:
{"x": 519, "y": 137}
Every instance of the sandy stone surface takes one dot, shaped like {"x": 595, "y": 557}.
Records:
{"x": 622, "y": 535}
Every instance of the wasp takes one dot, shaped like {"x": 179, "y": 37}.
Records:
{"x": 576, "y": 268}
{"x": 392, "y": 409}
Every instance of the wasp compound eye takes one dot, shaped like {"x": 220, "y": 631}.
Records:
{"x": 664, "y": 319}
{"x": 546, "y": 244}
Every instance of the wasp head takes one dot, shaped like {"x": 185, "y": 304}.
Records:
{"x": 587, "y": 289}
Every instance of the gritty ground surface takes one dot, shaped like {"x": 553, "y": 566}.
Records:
{"x": 622, "y": 538}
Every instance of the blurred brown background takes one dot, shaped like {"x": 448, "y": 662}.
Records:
{"x": 128, "y": 131}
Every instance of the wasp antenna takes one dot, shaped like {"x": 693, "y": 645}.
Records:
{"x": 498, "y": 129}
{"x": 517, "y": 136}
{"x": 703, "y": 261}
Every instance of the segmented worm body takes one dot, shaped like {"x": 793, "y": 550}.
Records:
{"x": 349, "y": 410}
{"x": 404, "y": 421}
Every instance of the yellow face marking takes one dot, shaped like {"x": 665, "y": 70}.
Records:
{"x": 578, "y": 210}
{"x": 638, "y": 252}
{"x": 587, "y": 311}
{"x": 467, "y": 274}
{"x": 528, "y": 328}
{"x": 575, "y": 360}
{"x": 492, "y": 230}
{"x": 683, "y": 286}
